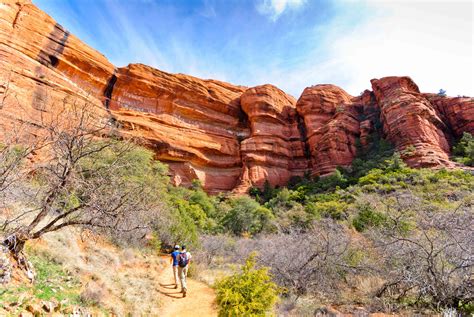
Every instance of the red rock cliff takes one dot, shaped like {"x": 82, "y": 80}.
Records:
{"x": 411, "y": 122}
{"x": 274, "y": 150}
{"x": 229, "y": 137}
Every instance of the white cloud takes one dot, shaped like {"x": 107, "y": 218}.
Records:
{"x": 432, "y": 42}
{"x": 274, "y": 8}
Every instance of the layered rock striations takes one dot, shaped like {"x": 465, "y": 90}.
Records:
{"x": 229, "y": 137}
{"x": 275, "y": 149}
{"x": 194, "y": 125}
{"x": 457, "y": 113}
{"x": 42, "y": 63}
{"x": 412, "y": 123}
{"x": 331, "y": 126}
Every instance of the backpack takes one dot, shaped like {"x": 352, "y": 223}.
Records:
{"x": 183, "y": 259}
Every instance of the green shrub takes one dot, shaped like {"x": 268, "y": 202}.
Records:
{"x": 182, "y": 228}
{"x": 263, "y": 195}
{"x": 395, "y": 176}
{"x": 449, "y": 179}
{"x": 466, "y": 307}
{"x": 368, "y": 217}
{"x": 201, "y": 198}
{"x": 333, "y": 209}
{"x": 309, "y": 187}
{"x": 464, "y": 150}
{"x": 370, "y": 157}
{"x": 246, "y": 216}
{"x": 283, "y": 201}
{"x": 249, "y": 292}
{"x": 193, "y": 211}
{"x": 330, "y": 182}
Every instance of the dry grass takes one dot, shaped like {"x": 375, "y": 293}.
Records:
{"x": 93, "y": 294}
{"x": 113, "y": 279}
{"x": 210, "y": 276}
{"x": 119, "y": 281}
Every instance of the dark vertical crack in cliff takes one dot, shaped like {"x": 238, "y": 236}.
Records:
{"x": 50, "y": 53}
{"x": 242, "y": 184}
{"x": 17, "y": 15}
{"x": 49, "y": 57}
{"x": 109, "y": 90}
{"x": 303, "y": 136}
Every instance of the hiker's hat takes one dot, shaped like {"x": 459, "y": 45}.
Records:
{"x": 176, "y": 247}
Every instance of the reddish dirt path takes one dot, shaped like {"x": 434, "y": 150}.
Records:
{"x": 200, "y": 299}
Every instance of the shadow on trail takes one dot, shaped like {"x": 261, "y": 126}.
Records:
{"x": 168, "y": 286}
{"x": 199, "y": 302}
{"x": 173, "y": 294}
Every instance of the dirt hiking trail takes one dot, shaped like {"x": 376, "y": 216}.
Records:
{"x": 199, "y": 301}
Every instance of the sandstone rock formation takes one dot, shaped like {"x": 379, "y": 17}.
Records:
{"x": 331, "y": 126}
{"x": 42, "y": 63}
{"x": 411, "y": 122}
{"x": 191, "y": 124}
{"x": 275, "y": 149}
{"x": 229, "y": 137}
{"x": 457, "y": 113}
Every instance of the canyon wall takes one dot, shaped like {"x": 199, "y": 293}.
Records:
{"x": 229, "y": 137}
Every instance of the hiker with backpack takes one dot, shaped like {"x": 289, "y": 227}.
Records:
{"x": 183, "y": 263}
{"x": 174, "y": 262}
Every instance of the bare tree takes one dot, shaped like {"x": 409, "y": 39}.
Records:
{"x": 306, "y": 261}
{"x": 426, "y": 255}
{"x": 12, "y": 155}
{"x": 215, "y": 246}
{"x": 19, "y": 138}
{"x": 85, "y": 177}
{"x": 310, "y": 261}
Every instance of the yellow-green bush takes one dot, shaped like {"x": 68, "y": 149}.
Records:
{"x": 249, "y": 292}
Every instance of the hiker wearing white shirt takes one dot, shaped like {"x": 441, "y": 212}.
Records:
{"x": 184, "y": 258}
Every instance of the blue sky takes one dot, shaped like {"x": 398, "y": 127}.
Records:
{"x": 289, "y": 43}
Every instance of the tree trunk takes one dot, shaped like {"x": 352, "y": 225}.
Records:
{"x": 15, "y": 243}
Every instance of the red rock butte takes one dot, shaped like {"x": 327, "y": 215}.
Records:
{"x": 229, "y": 137}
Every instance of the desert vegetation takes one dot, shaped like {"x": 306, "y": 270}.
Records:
{"x": 380, "y": 234}
{"x": 86, "y": 178}
{"x": 377, "y": 234}
{"x": 250, "y": 292}
{"x": 464, "y": 150}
